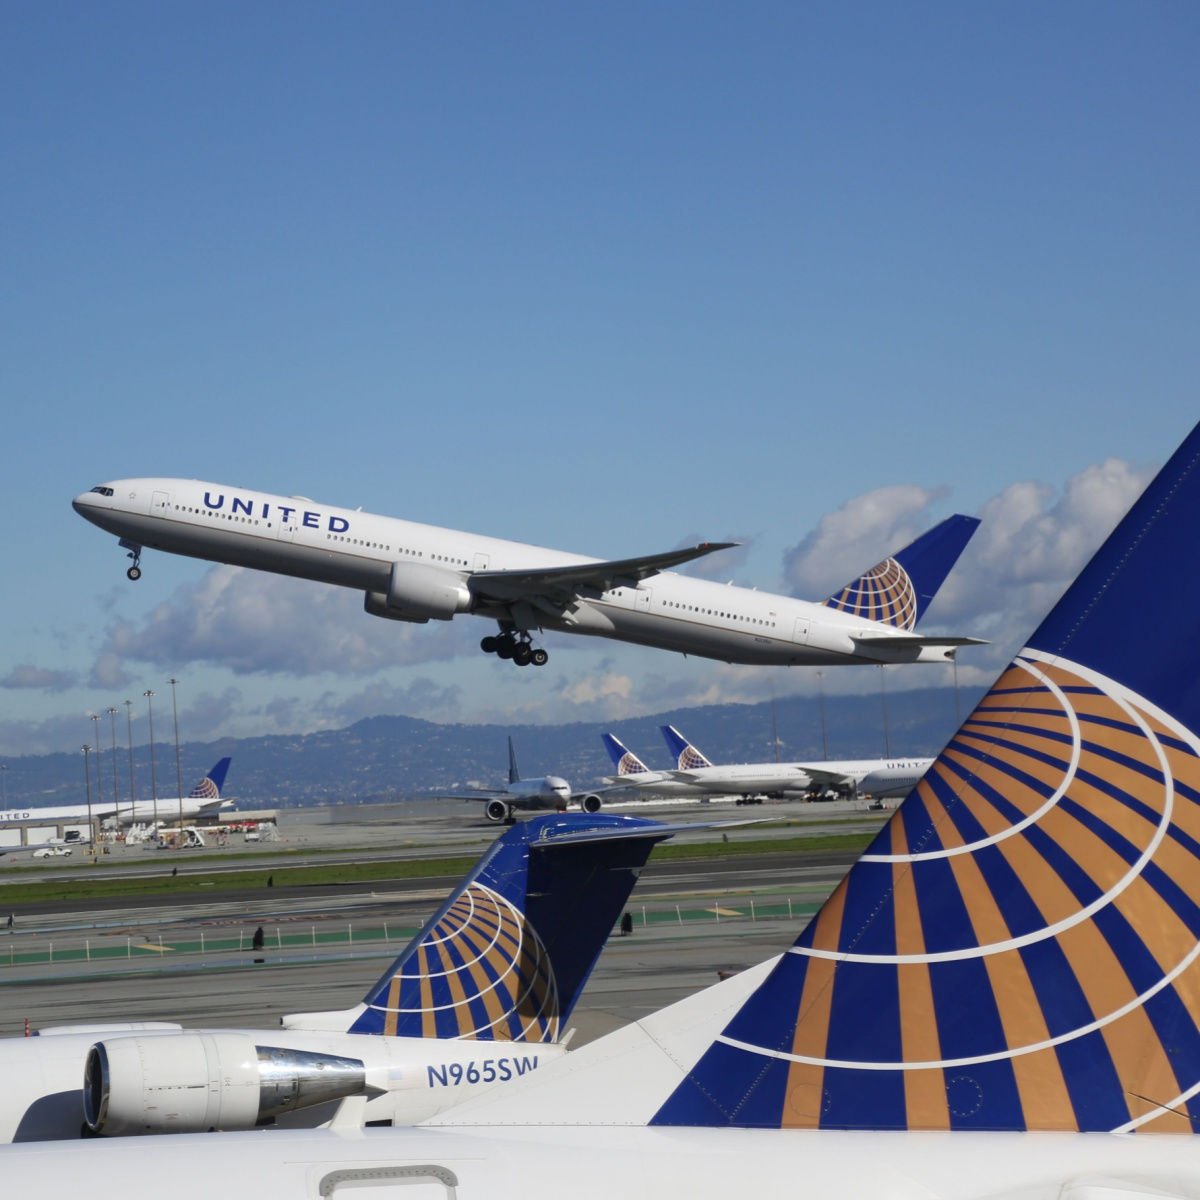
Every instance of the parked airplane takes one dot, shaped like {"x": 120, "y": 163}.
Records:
{"x": 203, "y": 800}
{"x": 1003, "y": 989}
{"x": 480, "y": 997}
{"x": 868, "y": 776}
{"x": 529, "y": 795}
{"x": 419, "y": 573}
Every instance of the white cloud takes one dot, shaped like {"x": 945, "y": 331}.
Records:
{"x": 250, "y": 622}
{"x": 853, "y": 538}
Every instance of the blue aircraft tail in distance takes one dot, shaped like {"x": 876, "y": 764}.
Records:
{"x": 508, "y": 954}
{"x": 624, "y": 761}
{"x": 898, "y": 590}
{"x": 686, "y": 756}
{"x": 1019, "y": 948}
{"x": 209, "y": 788}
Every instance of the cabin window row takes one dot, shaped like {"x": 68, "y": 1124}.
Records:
{"x": 207, "y": 512}
{"x": 713, "y": 612}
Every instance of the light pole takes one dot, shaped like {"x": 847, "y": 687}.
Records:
{"x": 112, "y": 721}
{"x": 824, "y": 730}
{"x": 153, "y": 779}
{"x": 178, "y": 774}
{"x": 95, "y": 719}
{"x": 129, "y": 730}
{"x": 87, "y": 781}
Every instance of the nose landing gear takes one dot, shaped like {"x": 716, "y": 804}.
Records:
{"x": 517, "y": 646}
{"x": 135, "y": 552}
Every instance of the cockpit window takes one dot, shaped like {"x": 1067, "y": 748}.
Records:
{"x": 103, "y": 491}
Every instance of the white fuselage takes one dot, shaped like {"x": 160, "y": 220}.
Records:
{"x": 298, "y": 537}
{"x": 564, "y": 1159}
{"x": 142, "y": 811}
{"x": 877, "y": 777}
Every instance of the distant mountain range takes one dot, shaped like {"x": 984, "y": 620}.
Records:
{"x": 391, "y": 758}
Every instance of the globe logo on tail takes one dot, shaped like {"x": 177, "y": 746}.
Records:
{"x": 481, "y": 972}
{"x": 884, "y": 594}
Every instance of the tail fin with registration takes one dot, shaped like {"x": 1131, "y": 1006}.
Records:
{"x": 1019, "y": 948}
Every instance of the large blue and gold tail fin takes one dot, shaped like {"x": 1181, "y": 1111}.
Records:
{"x": 508, "y": 954}
{"x": 1019, "y": 948}
{"x": 898, "y": 590}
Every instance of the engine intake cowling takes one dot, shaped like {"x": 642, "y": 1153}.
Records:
{"x": 191, "y": 1082}
{"x": 591, "y": 803}
{"x": 417, "y": 592}
{"x": 497, "y": 810}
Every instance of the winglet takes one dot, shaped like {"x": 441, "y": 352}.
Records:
{"x": 898, "y": 590}
{"x": 686, "y": 756}
{"x": 1019, "y": 948}
{"x": 508, "y": 954}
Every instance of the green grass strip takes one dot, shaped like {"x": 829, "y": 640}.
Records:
{"x": 193, "y": 884}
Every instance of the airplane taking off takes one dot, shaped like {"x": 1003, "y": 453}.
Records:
{"x": 203, "y": 800}
{"x": 878, "y": 777}
{"x": 530, "y": 795}
{"x": 419, "y": 573}
{"x": 1001, "y": 999}
{"x": 480, "y": 997}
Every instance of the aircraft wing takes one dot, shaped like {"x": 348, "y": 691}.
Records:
{"x": 817, "y": 775}
{"x": 561, "y": 585}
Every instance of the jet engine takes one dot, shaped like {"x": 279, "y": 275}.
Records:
{"x": 420, "y": 593}
{"x": 591, "y": 803}
{"x": 498, "y": 811}
{"x": 191, "y": 1082}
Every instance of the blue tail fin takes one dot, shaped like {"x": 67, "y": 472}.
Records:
{"x": 624, "y": 761}
{"x": 1019, "y": 948}
{"x": 508, "y": 954}
{"x": 209, "y": 788}
{"x": 898, "y": 590}
{"x": 686, "y": 756}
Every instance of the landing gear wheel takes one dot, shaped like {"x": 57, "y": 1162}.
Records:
{"x": 505, "y": 648}
{"x": 522, "y": 655}
{"x": 134, "y": 573}
{"x": 489, "y": 645}
{"x": 539, "y": 657}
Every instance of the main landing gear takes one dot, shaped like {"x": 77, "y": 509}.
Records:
{"x": 135, "y": 552}
{"x": 517, "y": 646}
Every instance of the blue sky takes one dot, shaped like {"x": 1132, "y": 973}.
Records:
{"x": 601, "y": 277}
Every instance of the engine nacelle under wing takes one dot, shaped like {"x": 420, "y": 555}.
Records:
{"x": 417, "y": 592}
{"x": 590, "y": 803}
{"x": 497, "y": 810}
{"x": 191, "y": 1082}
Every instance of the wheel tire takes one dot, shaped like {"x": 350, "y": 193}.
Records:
{"x": 522, "y": 656}
{"x": 489, "y": 645}
{"x": 539, "y": 657}
{"x": 134, "y": 573}
{"x": 505, "y": 648}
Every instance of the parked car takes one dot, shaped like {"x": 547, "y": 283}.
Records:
{"x": 52, "y": 852}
